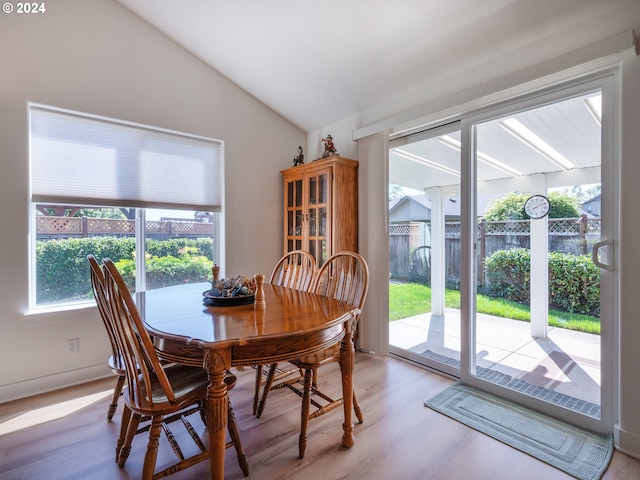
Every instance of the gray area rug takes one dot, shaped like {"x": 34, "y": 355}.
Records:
{"x": 574, "y": 450}
{"x": 494, "y": 376}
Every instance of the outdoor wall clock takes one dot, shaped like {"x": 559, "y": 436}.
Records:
{"x": 537, "y": 206}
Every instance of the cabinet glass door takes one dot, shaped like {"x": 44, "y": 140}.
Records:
{"x": 294, "y": 215}
{"x": 317, "y": 216}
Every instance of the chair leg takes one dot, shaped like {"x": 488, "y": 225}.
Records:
{"x": 304, "y": 416}
{"x": 172, "y": 441}
{"x": 132, "y": 428}
{"x": 124, "y": 425}
{"x": 256, "y": 395}
{"x": 117, "y": 390}
{"x": 356, "y": 407}
{"x": 152, "y": 448}
{"x": 203, "y": 412}
{"x": 232, "y": 426}
{"x": 267, "y": 387}
{"x": 192, "y": 432}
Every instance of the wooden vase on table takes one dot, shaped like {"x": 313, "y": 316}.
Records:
{"x": 259, "y": 302}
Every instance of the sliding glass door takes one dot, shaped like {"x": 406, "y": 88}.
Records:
{"x": 424, "y": 248}
{"x": 536, "y": 234}
{"x": 501, "y": 232}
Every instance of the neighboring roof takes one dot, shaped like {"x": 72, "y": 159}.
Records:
{"x": 592, "y": 207}
{"x": 417, "y": 208}
{"x": 596, "y": 198}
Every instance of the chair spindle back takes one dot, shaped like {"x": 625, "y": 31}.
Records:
{"x": 345, "y": 277}
{"x": 142, "y": 362}
{"x": 295, "y": 269}
{"x": 100, "y": 294}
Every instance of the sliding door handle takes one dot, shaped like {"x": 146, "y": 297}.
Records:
{"x": 596, "y": 250}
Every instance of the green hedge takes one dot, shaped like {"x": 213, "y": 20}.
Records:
{"x": 508, "y": 274}
{"x": 62, "y": 271}
{"x": 169, "y": 270}
{"x": 574, "y": 283}
{"x": 574, "y": 280}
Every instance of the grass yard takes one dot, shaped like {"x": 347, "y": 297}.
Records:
{"x": 409, "y": 299}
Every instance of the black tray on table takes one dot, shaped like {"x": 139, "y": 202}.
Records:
{"x": 211, "y": 299}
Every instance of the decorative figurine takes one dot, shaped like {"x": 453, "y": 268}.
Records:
{"x": 299, "y": 160}
{"x": 329, "y": 148}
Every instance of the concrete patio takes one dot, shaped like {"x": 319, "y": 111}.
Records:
{"x": 566, "y": 362}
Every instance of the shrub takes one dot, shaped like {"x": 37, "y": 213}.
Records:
{"x": 169, "y": 270}
{"x": 511, "y": 207}
{"x": 508, "y": 274}
{"x": 177, "y": 246}
{"x": 574, "y": 281}
{"x": 62, "y": 272}
{"x": 562, "y": 206}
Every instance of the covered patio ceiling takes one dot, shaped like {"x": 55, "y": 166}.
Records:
{"x": 560, "y": 140}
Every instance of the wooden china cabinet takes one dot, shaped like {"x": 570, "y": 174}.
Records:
{"x": 321, "y": 207}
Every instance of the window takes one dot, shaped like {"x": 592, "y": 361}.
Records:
{"x": 145, "y": 197}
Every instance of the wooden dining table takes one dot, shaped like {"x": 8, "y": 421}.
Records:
{"x": 293, "y": 324}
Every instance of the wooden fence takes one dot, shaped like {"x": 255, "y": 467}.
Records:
{"x": 410, "y": 247}
{"x": 49, "y": 227}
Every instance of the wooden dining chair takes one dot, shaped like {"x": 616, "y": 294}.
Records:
{"x": 345, "y": 277}
{"x": 296, "y": 269}
{"x": 116, "y": 361}
{"x": 164, "y": 393}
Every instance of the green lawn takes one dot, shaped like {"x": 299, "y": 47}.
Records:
{"x": 408, "y": 299}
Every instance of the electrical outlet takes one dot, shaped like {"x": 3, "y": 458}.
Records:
{"x": 73, "y": 346}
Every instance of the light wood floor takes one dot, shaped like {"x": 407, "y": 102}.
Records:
{"x": 400, "y": 439}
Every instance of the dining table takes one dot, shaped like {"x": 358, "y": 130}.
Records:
{"x": 292, "y": 324}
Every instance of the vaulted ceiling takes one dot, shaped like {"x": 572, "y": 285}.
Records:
{"x": 317, "y": 63}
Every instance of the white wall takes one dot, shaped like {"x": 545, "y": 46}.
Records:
{"x": 97, "y": 57}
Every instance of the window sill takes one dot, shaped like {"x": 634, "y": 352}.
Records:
{"x": 52, "y": 314}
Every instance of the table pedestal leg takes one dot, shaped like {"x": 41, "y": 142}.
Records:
{"x": 217, "y": 412}
{"x": 347, "y": 367}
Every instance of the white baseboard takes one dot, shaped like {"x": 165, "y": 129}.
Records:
{"x": 627, "y": 442}
{"x": 27, "y": 388}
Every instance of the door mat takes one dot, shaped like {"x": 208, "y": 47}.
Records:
{"x": 574, "y": 450}
{"x": 571, "y": 403}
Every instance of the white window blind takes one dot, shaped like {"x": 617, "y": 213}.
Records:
{"x": 86, "y": 160}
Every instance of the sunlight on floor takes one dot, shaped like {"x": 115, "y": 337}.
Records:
{"x": 41, "y": 415}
